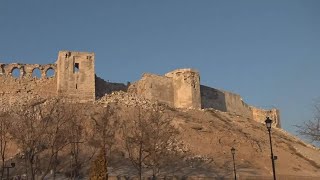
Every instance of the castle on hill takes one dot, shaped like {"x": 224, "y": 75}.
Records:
{"x": 74, "y": 78}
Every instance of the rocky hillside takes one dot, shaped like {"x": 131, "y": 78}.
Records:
{"x": 209, "y": 135}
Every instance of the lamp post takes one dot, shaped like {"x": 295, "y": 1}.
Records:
{"x": 268, "y": 122}
{"x": 8, "y": 167}
{"x": 233, "y": 151}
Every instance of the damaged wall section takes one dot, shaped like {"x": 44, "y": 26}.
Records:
{"x": 179, "y": 88}
{"x": 154, "y": 87}
{"x": 43, "y": 85}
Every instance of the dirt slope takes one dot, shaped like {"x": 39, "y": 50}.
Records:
{"x": 211, "y": 134}
{"x": 208, "y": 136}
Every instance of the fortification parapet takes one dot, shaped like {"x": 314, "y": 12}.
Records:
{"x": 179, "y": 88}
{"x": 261, "y": 114}
{"x": 154, "y": 87}
{"x": 231, "y": 102}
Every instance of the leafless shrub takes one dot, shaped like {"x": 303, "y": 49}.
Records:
{"x": 104, "y": 123}
{"x": 150, "y": 140}
{"x": 42, "y": 129}
{"x": 5, "y": 125}
{"x": 311, "y": 129}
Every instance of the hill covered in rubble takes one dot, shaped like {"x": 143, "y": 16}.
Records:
{"x": 205, "y": 138}
{"x": 209, "y": 134}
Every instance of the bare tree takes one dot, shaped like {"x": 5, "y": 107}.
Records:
{"x": 29, "y": 132}
{"x": 58, "y": 116}
{"x": 75, "y": 139}
{"x": 151, "y": 140}
{"x": 104, "y": 125}
{"x": 5, "y": 125}
{"x": 311, "y": 129}
{"x": 135, "y": 135}
{"x": 163, "y": 145}
{"x": 42, "y": 129}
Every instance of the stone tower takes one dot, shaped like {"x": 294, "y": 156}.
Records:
{"x": 76, "y": 75}
{"x": 186, "y": 88}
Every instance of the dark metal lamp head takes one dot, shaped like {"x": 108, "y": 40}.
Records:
{"x": 233, "y": 150}
{"x": 268, "y": 122}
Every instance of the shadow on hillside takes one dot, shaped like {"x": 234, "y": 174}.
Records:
{"x": 180, "y": 168}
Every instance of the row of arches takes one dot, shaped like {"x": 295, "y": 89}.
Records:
{"x": 17, "y": 73}
{"x": 34, "y": 71}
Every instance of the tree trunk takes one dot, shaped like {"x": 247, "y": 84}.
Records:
{"x": 140, "y": 161}
{"x": 105, "y": 162}
{"x": 31, "y": 169}
{"x": 55, "y": 165}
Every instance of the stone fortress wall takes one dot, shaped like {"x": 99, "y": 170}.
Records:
{"x": 26, "y": 82}
{"x": 181, "y": 89}
{"x": 186, "y": 88}
{"x": 224, "y": 101}
{"x": 231, "y": 102}
{"x": 76, "y": 75}
{"x": 261, "y": 114}
{"x": 68, "y": 79}
{"x": 154, "y": 87}
{"x": 74, "y": 78}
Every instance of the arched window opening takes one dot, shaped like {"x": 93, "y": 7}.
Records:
{"x": 50, "y": 72}
{"x": 15, "y": 72}
{"x": 36, "y": 73}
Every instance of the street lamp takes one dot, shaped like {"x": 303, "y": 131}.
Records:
{"x": 8, "y": 167}
{"x": 268, "y": 122}
{"x": 233, "y": 151}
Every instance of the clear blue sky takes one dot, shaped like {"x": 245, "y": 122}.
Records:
{"x": 266, "y": 51}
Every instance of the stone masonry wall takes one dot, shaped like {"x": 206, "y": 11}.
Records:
{"x": 154, "y": 87}
{"x": 27, "y": 83}
{"x": 230, "y": 102}
{"x": 224, "y": 101}
{"x": 212, "y": 98}
{"x": 179, "y": 88}
{"x": 261, "y": 114}
{"x": 234, "y": 103}
{"x": 76, "y": 75}
{"x": 74, "y": 78}
{"x": 186, "y": 88}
